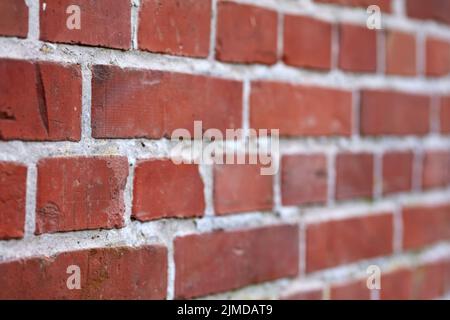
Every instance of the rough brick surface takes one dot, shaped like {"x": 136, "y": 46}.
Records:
{"x": 429, "y": 10}
{"x": 354, "y": 175}
{"x": 299, "y": 50}
{"x": 339, "y": 242}
{"x": 50, "y": 109}
{"x": 163, "y": 189}
{"x": 437, "y": 57}
{"x": 425, "y": 225}
{"x": 385, "y": 5}
{"x": 304, "y": 179}
{"x": 175, "y": 27}
{"x": 160, "y": 103}
{"x": 106, "y": 273}
{"x": 13, "y": 179}
{"x": 397, "y": 172}
{"x": 13, "y": 18}
{"x": 80, "y": 193}
{"x": 246, "y": 34}
{"x": 358, "y": 48}
{"x": 401, "y": 56}
{"x": 240, "y": 188}
{"x": 394, "y": 113}
{"x": 309, "y": 111}
{"x": 249, "y": 255}
{"x": 97, "y": 20}
{"x": 436, "y": 169}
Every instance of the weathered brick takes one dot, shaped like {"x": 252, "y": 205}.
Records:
{"x": 106, "y": 273}
{"x": 401, "y": 53}
{"x": 339, "y": 242}
{"x": 386, "y": 112}
{"x": 233, "y": 193}
{"x": 425, "y": 225}
{"x": 397, "y": 171}
{"x": 304, "y": 179}
{"x": 354, "y": 175}
{"x": 131, "y": 103}
{"x": 436, "y": 169}
{"x": 251, "y": 256}
{"x": 104, "y": 23}
{"x": 307, "y": 42}
{"x": 13, "y": 18}
{"x": 163, "y": 189}
{"x": 51, "y": 108}
{"x": 175, "y": 27}
{"x": 246, "y": 34}
{"x": 357, "y": 48}
{"x": 300, "y": 110}
{"x": 80, "y": 193}
{"x": 13, "y": 186}
{"x": 437, "y": 57}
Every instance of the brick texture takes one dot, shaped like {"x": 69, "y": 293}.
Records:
{"x": 429, "y": 10}
{"x": 445, "y": 114}
{"x": 353, "y": 290}
{"x": 401, "y": 56}
{"x": 437, "y": 57}
{"x": 358, "y": 48}
{"x": 14, "y": 18}
{"x": 354, "y": 176}
{"x": 385, "y": 5}
{"x": 397, "y": 172}
{"x": 436, "y": 169}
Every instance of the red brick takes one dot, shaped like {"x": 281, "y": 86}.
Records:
{"x": 394, "y": 113}
{"x": 357, "y": 48}
{"x": 233, "y": 193}
{"x": 339, "y": 242}
{"x": 106, "y": 273}
{"x": 400, "y": 53}
{"x": 397, "y": 172}
{"x": 103, "y": 23}
{"x": 250, "y": 256}
{"x": 80, "y": 193}
{"x": 51, "y": 108}
{"x": 354, "y": 176}
{"x": 445, "y": 114}
{"x": 13, "y": 186}
{"x": 307, "y": 42}
{"x": 385, "y": 5}
{"x": 306, "y": 294}
{"x": 397, "y": 285}
{"x": 131, "y": 103}
{"x": 300, "y": 110}
{"x": 437, "y": 57}
{"x": 429, "y": 10}
{"x": 175, "y": 27}
{"x": 13, "y": 18}
{"x": 246, "y": 34}
{"x": 163, "y": 189}
{"x": 425, "y": 225}
{"x": 353, "y": 290}
{"x": 436, "y": 169}
{"x": 429, "y": 281}
{"x": 304, "y": 179}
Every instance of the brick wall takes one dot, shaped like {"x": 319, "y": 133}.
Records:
{"x": 85, "y": 179}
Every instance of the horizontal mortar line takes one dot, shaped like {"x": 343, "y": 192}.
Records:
{"x": 64, "y": 53}
{"x": 163, "y": 231}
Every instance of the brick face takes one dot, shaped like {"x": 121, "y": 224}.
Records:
{"x": 299, "y": 50}
{"x": 445, "y": 114}
{"x": 246, "y": 34}
{"x": 436, "y": 169}
{"x": 51, "y": 109}
{"x": 425, "y": 225}
{"x": 14, "y": 18}
{"x": 304, "y": 179}
{"x": 339, "y": 242}
{"x": 175, "y": 27}
{"x": 353, "y": 290}
{"x": 106, "y": 273}
{"x": 249, "y": 255}
{"x": 13, "y": 179}
{"x": 401, "y": 53}
{"x": 161, "y": 103}
{"x": 385, "y": 5}
{"x": 354, "y": 176}
{"x": 80, "y": 193}
{"x": 308, "y": 111}
{"x": 397, "y": 172}
{"x": 437, "y": 57}
{"x": 97, "y": 19}
{"x": 358, "y": 48}
{"x": 429, "y": 10}
{"x": 394, "y": 113}
{"x": 233, "y": 193}
{"x": 163, "y": 189}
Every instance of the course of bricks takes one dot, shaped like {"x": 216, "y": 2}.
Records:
{"x": 85, "y": 179}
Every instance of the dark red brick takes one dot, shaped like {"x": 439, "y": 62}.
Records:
{"x": 13, "y": 18}
{"x": 354, "y": 175}
{"x": 397, "y": 171}
{"x": 357, "y": 48}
